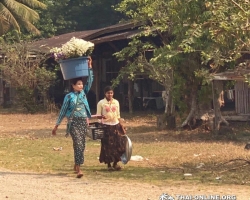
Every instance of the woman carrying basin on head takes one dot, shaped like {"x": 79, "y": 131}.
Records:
{"x": 76, "y": 108}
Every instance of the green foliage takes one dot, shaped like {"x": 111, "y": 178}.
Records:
{"x": 133, "y": 56}
{"x": 223, "y": 26}
{"x": 197, "y": 39}
{"x": 179, "y": 94}
{"x": 25, "y": 99}
{"x": 10, "y": 37}
{"x": 17, "y": 14}
{"x": 64, "y": 16}
{"x": 28, "y": 75}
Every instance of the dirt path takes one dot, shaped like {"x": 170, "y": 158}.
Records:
{"x": 27, "y": 186}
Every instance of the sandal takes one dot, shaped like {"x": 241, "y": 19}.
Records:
{"x": 111, "y": 168}
{"x": 117, "y": 167}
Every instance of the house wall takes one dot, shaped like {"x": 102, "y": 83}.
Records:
{"x": 107, "y": 69}
{"x": 242, "y": 98}
{"x": 7, "y": 93}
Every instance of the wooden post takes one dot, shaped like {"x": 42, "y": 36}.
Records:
{"x": 141, "y": 89}
{"x": 130, "y": 96}
{"x": 97, "y": 78}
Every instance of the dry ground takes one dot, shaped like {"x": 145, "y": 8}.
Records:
{"x": 25, "y": 185}
{"x": 19, "y": 186}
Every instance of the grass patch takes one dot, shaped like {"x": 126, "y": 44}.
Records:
{"x": 26, "y": 144}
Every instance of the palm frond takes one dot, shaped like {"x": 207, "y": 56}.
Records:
{"x": 30, "y": 27}
{"x": 21, "y": 10}
{"x": 7, "y": 20}
{"x": 33, "y": 3}
{"x": 4, "y": 26}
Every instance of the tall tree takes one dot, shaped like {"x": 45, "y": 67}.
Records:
{"x": 64, "y": 16}
{"x": 94, "y": 14}
{"x": 17, "y": 13}
{"x": 197, "y": 39}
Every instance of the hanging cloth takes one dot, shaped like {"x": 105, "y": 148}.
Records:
{"x": 230, "y": 94}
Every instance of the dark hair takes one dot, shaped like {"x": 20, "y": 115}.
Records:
{"x": 108, "y": 88}
{"x": 73, "y": 82}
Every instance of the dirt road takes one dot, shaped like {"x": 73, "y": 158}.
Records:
{"x": 27, "y": 186}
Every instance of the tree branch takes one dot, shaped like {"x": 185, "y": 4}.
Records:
{"x": 238, "y": 6}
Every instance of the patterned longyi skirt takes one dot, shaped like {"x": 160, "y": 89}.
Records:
{"x": 113, "y": 144}
{"x": 78, "y": 132}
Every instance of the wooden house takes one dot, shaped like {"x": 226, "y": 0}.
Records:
{"x": 107, "y": 41}
{"x": 239, "y": 94}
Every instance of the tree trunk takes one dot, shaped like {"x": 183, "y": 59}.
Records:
{"x": 161, "y": 122}
{"x": 166, "y": 97}
{"x": 218, "y": 100}
{"x": 191, "y": 116}
{"x": 171, "y": 122}
{"x": 167, "y": 120}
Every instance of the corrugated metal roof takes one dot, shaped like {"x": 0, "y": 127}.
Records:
{"x": 57, "y": 41}
{"x": 237, "y": 74}
{"x": 114, "y": 37}
{"x": 110, "y": 33}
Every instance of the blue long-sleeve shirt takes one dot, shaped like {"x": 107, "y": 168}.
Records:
{"x": 82, "y": 108}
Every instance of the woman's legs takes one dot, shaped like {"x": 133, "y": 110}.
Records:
{"x": 110, "y": 168}
{"x": 78, "y": 171}
{"x": 116, "y": 166}
{"x": 78, "y": 132}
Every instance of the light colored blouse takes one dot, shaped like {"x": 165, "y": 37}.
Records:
{"x": 110, "y": 109}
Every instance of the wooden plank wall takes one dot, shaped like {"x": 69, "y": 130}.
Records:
{"x": 242, "y": 101}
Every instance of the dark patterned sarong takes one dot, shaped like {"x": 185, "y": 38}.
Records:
{"x": 78, "y": 131}
{"x": 113, "y": 144}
